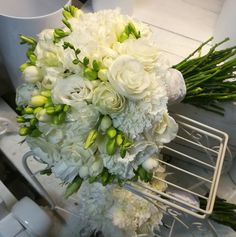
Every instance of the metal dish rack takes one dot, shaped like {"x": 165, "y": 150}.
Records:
{"x": 194, "y": 162}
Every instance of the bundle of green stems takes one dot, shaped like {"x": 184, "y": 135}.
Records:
{"x": 207, "y": 77}
{"x": 223, "y": 213}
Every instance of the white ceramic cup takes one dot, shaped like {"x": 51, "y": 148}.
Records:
{"x": 32, "y": 217}
{"x": 27, "y": 17}
{"x": 225, "y": 25}
{"x": 126, "y": 6}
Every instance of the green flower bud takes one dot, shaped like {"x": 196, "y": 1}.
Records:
{"x": 111, "y": 132}
{"x": 90, "y": 138}
{"x": 122, "y": 152}
{"x": 102, "y": 74}
{"x": 33, "y": 122}
{"x": 46, "y": 93}
{"x": 111, "y": 146}
{"x": 20, "y": 119}
{"x": 35, "y": 133}
{"x": 50, "y": 110}
{"x": 66, "y": 108}
{"x": 58, "y": 108}
{"x": 59, "y": 119}
{"x": 62, "y": 117}
{"x": 105, "y": 177}
{"x": 105, "y": 123}
{"x": 123, "y": 37}
{"x": 36, "y": 110}
{"x": 119, "y": 139}
{"x": 28, "y": 110}
{"x": 23, "y": 131}
{"x": 90, "y": 74}
{"x": 24, "y": 66}
{"x": 38, "y": 100}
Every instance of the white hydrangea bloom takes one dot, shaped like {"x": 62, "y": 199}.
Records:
{"x": 123, "y": 213}
{"x": 124, "y": 167}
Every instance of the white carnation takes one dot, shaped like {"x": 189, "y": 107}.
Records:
{"x": 142, "y": 50}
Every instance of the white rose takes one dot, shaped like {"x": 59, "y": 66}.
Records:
{"x": 150, "y": 164}
{"x": 166, "y": 130}
{"x": 140, "y": 49}
{"x": 51, "y": 74}
{"x": 47, "y": 52}
{"x": 107, "y": 100}
{"x": 73, "y": 89}
{"x": 175, "y": 86}
{"x": 128, "y": 77}
{"x": 32, "y": 74}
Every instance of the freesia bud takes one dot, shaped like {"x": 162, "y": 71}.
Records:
{"x": 23, "y": 131}
{"x": 38, "y": 100}
{"x": 32, "y": 74}
{"x": 111, "y": 146}
{"x": 111, "y": 132}
{"x": 90, "y": 74}
{"x": 105, "y": 123}
{"x": 90, "y": 138}
{"x": 102, "y": 74}
{"x": 83, "y": 171}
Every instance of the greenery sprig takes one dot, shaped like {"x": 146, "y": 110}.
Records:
{"x": 31, "y": 42}
{"x": 41, "y": 108}
{"x": 206, "y": 77}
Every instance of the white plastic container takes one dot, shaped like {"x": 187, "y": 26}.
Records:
{"x": 225, "y": 25}
{"x": 27, "y": 17}
{"x": 126, "y": 6}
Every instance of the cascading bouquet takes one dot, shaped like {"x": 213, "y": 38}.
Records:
{"x": 93, "y": 107}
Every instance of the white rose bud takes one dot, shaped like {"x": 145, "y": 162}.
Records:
{"x": 32, "y": 74}
{"x": 83, "y": 172}
{"x": 150, "y": 164}
{"x": 96, "y": 168}
{"x": 105, "y": 123}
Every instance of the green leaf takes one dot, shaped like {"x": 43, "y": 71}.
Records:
{"x": 46, "y": 172}
{"x": 73, "y": 187}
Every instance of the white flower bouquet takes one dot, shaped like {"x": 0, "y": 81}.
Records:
{"x": 93, "y": 108}
{"x": 94, "y": 102}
